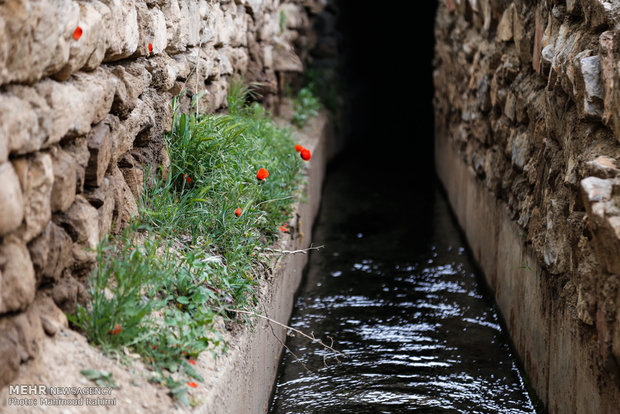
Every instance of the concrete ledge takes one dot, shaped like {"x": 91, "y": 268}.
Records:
{"x": 558, "y": 355}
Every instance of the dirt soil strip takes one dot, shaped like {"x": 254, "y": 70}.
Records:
{"x": 240, "y": 381}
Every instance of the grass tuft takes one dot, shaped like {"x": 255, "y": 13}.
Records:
{"x": 306, "y": 106}
{"x": 159, "y": 289}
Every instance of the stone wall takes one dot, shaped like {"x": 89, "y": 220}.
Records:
{"x": 528, "y": 96}
{"x": 85, "y": 97}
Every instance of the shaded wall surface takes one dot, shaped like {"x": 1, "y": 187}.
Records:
{"x": 85, "y": 99}
{"x": 527, "y": 104}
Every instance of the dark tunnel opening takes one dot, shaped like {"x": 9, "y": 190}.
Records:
{"x": 387, "y": 56}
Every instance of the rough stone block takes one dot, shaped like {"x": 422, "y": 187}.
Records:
{"x": 35, "y": 37}
{"x": 82, "y": 49}
{"x": 286, "y": 60}
{"x": 98, "y": 53}
{"x": 65, "y": 292}
{"x": 164, "y": 72}
{"x": 134, "y": 177}
{"x": 221, "y": 25}
{"x": 205, "y": 33}
{"x": 294, "y": 16}
{"x": 603, "y": 167}
{"x": 216, "y": 94}
{"x": 11, "y": 200}
{"x": 66, "y": 109}
{"x": 268, "y": 25}
{"x": 538, "y": 41}
{"x": 102, "y": 198}
{"x": 523, "y": 41}
{"x": 603, "y": 219}
{"x": 152, "y": 29}
{"x": 51, "y": 253}
{"x": 123, "y": 35}
{"x": 23, "y": 128}
{"x": 520, "y": 150}
{"x": 106, "y": 209}
{"x": 19, "y": 342}
{"x": 52, "y": 318}
{"x": 132, "y": 80}
{"x": 100, "y": 147}
{"x": 606, "y": 47}
{"x": 65, "y": 180}
{"x": 596, "y": 189}
{"x": 78, "y": 149}
{"x": 591, "y": 77}
{"x": 81, "y": 222}
{"x": 97, "y": 90}
{"x": 141, "y": 119}
{"x": 36, "y": 177}
{"x": 190, "y": 15}
{"x": 237, "y": 60}
{"x": 17, "y": 281}
{"x": 125, "y": 206}
{"x": 176, "y": 30}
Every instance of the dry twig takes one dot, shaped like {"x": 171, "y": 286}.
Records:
{"x": 304, "y": 251}
{"x": 311, "y": 337}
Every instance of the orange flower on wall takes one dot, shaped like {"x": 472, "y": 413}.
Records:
{"x": 298, "y": 148}
{"x": 77, "y": 33}
{"x": 150, "y": 47}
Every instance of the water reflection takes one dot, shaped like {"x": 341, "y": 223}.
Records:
{"x": 403, "y": 303}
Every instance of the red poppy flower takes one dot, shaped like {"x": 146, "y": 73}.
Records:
{"x": 238, "y": 212}
{"x": 191, "y": 361}
{"x": 192, "y": 384}
{"x": 283, "y": 228}
{"x": 117, "y": 329}
{"x": 262, "y": 174}
{"x": 77, "y": 33}
{"x": 150, "y": 47}
{"x": 305, "y": 154}
{"x": 186, "y": 178}
{"x": 298, "y": 148}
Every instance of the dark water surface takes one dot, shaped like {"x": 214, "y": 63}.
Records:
{"x": 396, "y": 290}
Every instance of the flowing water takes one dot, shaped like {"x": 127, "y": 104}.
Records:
{"x": 397, "y": 291}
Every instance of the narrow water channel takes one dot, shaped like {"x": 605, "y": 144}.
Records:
{"x": 397, "y": 291}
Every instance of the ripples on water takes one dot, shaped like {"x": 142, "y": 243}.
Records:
{"x": 397, "y": 292}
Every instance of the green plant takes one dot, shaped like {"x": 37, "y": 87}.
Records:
{"x": 214, "y": 161}
{"x": 158, "y": 289}
{"x": 101, "y": 378}
{"x": 325, "y": 85}
{"x": 306, "y": 105}
{"x": 282, "y": 21}
{"x": 122, "y": 290}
